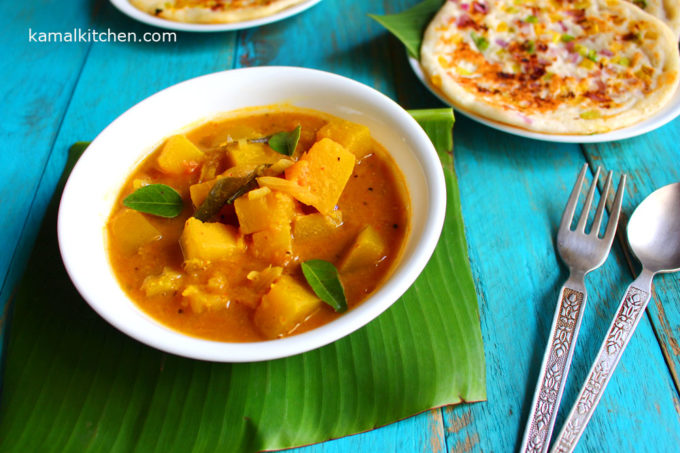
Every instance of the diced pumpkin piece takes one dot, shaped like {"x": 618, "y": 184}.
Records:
{"x": 166, "y": 282}
{"x": 287, "y": 304}
{"x": 199, "y": 192}
{"x": 274, "y": 245}
{"x": 200, "y": 299}
{"x": 179, "y": 156}
{"x": 368, "y": 249}
{"x": 262, "y": 280}
{"x": 302, "y": 194}
{"x": 141, "y": 181}
{"x": 323, "y": 170}
{"x": 263, "y": 208}
{"x": 210, "y": 241}
{"x": 356, "y": 138}
{"x": 316, "y": 226}
{"x": 132, "y": 230}
{"x": 245, "y": 153}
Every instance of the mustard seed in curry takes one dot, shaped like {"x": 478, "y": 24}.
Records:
{"x": 227, "y": 267}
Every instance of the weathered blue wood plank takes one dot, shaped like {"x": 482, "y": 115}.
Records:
{"x": 37, "y": 82}
{"x": 118, "y": 75}
{"x": 651, "y": 161}
{"x": 337, "y": 36}
{"x": 513, "y": 192}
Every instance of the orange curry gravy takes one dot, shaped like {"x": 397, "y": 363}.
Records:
{"x": 374, "y": 195}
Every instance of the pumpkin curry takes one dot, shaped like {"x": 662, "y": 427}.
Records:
{"x": 258, "y": 225}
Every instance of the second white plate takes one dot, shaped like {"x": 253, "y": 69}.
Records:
{"x": 668, "y": 113}
{"x": 125, "y": 7}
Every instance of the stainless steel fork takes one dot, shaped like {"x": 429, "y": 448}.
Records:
{"x": 582, "y": 253}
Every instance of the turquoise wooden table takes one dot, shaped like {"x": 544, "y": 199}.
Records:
{"x": 512, "y": 190}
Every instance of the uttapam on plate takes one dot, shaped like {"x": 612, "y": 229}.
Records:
{"x": 213, "y": 11}
{"x": 666, "y": 10}
{"x": 557, "y": 67}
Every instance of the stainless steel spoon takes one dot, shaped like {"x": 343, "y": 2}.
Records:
{"x": 654, "y": 237}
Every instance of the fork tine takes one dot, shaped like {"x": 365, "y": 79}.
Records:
{"x": 616, "y": 210}
{"x": 597, "y": 221}
{"x": 568, "y": 214}
{"x": 589, "y": 201}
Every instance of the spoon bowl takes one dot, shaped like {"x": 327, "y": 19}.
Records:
{"x": 654, "y": 237}
{"x": 654, "y": 230}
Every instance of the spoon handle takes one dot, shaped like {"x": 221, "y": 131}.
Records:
{"x": 555, "y": 367}
{"x": 629, "y": 313}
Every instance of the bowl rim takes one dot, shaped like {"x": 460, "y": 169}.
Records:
{"x": 382, "y": 298}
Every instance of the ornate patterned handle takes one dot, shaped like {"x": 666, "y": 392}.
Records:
{"x": 554, "y": 368}
{"x": 630, "y": 312}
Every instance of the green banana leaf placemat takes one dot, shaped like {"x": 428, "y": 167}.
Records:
{"x": 72, "y": 383}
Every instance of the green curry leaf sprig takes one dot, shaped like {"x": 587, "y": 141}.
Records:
{"x": 324, "y": 280}
{"x": 281, "y": 142}
{"x": 156, "y": 199}
{"x": 225, "y": 191}
{"x": 285, "y": 142}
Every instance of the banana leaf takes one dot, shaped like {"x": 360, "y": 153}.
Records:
{"x": 409, "y": 26}
{"x": 72, "y": 383}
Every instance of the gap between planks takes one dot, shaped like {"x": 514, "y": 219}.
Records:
{"x": 621, "y": 238}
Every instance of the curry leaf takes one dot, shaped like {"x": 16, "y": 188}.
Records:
{"x": 224, "y": 192}
{"x": 132, "y": 403}
{"x": 410, "y": 25}
{"x": 285, "y": 142}
{"x": 323, "y": 277}
{"x": 438, "y": 125}
{"x": 157, "y": 199}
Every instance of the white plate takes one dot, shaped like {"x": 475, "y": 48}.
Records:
{"x": 668, "y": 113}
{"x": 125, "y": 7}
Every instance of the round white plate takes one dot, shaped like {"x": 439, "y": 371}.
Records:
{"x": 668, "y": 113}
{"x": 125, "y": 7}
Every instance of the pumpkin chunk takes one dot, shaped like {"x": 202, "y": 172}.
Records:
{"x": 245, "y": 153}
{"x": 165, "y": 283}
{"x": 324, "y": 170}
{"x": 274, "y": 245}
{"x": 316, "y": 226}
{"x": 287, "y": 304}
{"x": 199, "y": 192}
{"x": 356, "y": 138}
{"x": 210, "y": 241}
{"x": 200, "y": 299}
{"x": 179, "y": 156}
{"x": 132, "y": 230}
{"x": 368, "y": 250}
{"x": 263, "y": 208}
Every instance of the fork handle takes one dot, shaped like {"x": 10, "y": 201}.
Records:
{"x": 628, "y": 315}
{"x": 555, "y": 366}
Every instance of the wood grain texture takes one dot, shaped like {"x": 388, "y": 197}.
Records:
{"x": 354, "y": 47}
{"x": 523, "y": 186}
{"x": 651, "y": 162}
{"x": 37, "y": 83}
{"x": 118, "y": 75}
{"x": 513, "y": 192}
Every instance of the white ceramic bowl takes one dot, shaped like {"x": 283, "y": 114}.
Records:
{"x": 97, "y": 178}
